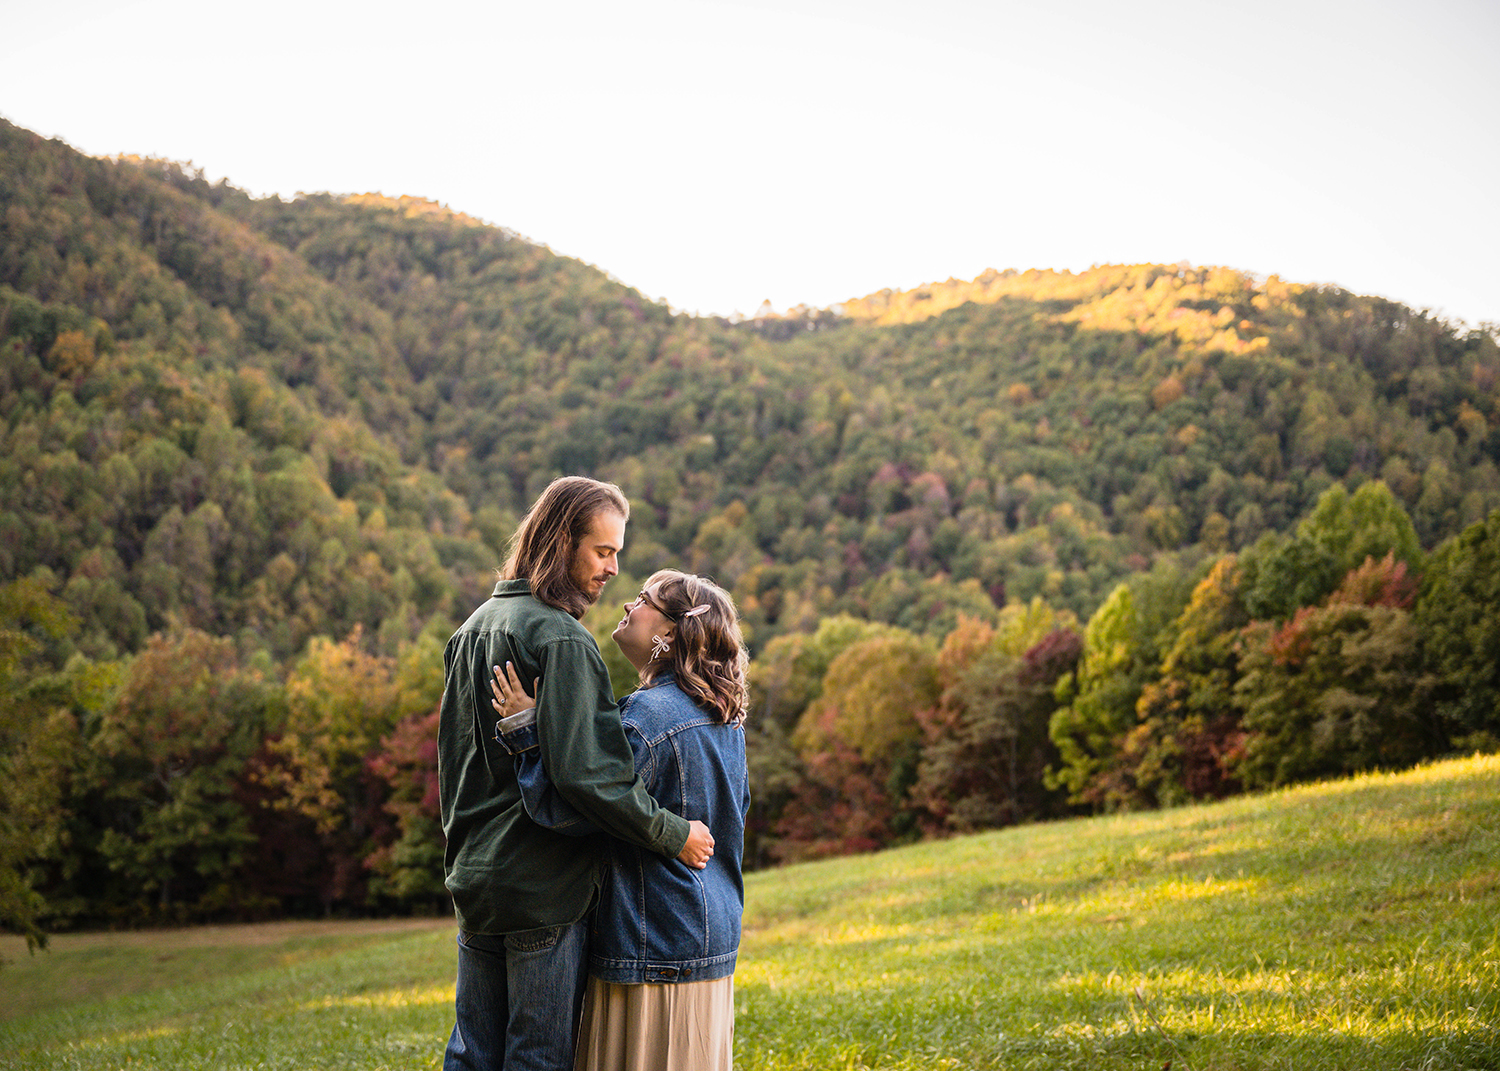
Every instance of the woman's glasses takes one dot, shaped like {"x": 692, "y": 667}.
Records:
{"x": 649, "y": 601}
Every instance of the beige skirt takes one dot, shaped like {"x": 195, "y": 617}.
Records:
{"x": 687, "y": 1026}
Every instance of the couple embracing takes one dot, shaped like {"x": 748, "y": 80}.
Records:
{"x": 593, "y": 848}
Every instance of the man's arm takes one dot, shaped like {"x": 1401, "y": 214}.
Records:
{"x": 585, "y": 753}
{"x": 544, "y": 804}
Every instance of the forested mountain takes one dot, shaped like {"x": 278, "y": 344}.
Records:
{"x": 288, "y": 440}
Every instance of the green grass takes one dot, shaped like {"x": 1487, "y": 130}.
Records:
{"x": 366, "y": 995}
{"x": 1346, "y": 925}
{"x": 1351, "y": 925}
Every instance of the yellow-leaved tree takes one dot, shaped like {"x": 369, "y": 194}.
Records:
{"x": 341, "y": 701}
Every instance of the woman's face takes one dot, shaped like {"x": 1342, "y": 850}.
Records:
{"x": 642, "y": 622}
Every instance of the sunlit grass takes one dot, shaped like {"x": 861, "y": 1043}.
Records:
{"x": 1350, "y": 925}
{"x": 1353, "y": 925}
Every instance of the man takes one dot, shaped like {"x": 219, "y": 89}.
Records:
{"x": 521, "y": 892}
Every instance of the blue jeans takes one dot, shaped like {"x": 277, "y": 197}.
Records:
{"x": 519, "y": 995}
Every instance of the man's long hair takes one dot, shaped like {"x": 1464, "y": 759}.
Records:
{"x": 547, "y": 540}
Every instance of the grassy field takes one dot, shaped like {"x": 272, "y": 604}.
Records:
{"x": 1350, "y": 925}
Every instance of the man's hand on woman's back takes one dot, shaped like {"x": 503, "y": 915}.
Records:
{"x": 699, "y": 847}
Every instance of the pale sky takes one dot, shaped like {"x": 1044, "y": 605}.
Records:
{"x": 714, "y": 154}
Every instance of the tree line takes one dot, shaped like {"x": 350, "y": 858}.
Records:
{"x": 1338, "y": 647}
{"x": 188, "y": 782}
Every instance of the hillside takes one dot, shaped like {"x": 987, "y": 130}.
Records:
{"x": 1339, "y": 925}
{"x": 1047, "y": 436}
{"x": 1006, "y": 549}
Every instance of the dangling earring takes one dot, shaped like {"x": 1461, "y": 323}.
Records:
{"x": 660, "y": 645}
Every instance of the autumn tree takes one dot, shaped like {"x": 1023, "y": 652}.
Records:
{"x": 785, "y": 680}
{"x": 341, "y": 700}
{"x": 860, "y": 741}
{"x": 790, "y": 674}
{"x": 986, "y": 747}
{"x": 172, "y": 745}
{"x": 407, "y": 864}
{"x": 1339, "y": 688}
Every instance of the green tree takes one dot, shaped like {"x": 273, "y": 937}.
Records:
{"x": 38, "y": 738}
{"x": 171, "y": 747}
{"x": 1457, "y": 616}
{"x": 1188, "y": 735}
{"x": 1283, "y": 574}
{"x": 1370, "y": 523}
{"x": 1097, "y": 702}
{"x": 1123, "y": 645}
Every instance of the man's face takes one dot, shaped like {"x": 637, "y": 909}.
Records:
{"x": 597, "y": 558}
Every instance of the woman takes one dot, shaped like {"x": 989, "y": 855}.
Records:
{"x": 662, "y": 956}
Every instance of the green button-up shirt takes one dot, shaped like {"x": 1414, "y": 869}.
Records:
{"x": 507, "y": 873}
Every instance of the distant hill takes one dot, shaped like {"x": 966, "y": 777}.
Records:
{"x": 372, "y": 389}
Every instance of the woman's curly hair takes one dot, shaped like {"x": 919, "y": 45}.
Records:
{"x": 707, "y": 655}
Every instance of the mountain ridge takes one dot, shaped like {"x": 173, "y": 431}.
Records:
{"x": 1149, "y": 400}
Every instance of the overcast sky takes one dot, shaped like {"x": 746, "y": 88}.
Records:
{"x": 715, "y": 154}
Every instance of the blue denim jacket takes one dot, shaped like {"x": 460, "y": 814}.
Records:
{"x": 659, "y": 920}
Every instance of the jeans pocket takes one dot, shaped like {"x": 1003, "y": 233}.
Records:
{"x": 534, "y": 940}
{"x": 481, "y": 942}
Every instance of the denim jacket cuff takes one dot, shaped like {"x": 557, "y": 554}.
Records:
{"x": 517, "y": 733}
